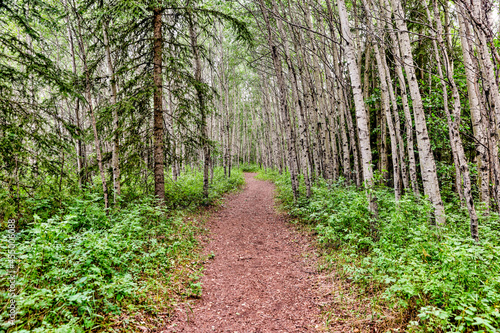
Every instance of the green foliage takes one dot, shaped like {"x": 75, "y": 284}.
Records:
{"x": 246, "y": 167}
{"x": 187, "y": 192}
{"x": 80, "y": 268}
{"x": 451, "y": 282}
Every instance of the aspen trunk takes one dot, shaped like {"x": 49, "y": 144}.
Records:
{"x": 427, "y": 163}
{"x": 404, "y": 98}
{"x": 490, "y": 88}
{"x": 290, "y": 136}
{"x": 332, "y": 128}
{"x": 386, "y": 107}
{"x": 340, "y": 105}
{"x": 318, "y": 91}
{"x": 479, "y": 20}
{"x": 456, "y": 142}
{"x": 456, "y": 163}
{"x": 358, "y": 173}
{"x": 297, "y": 103}
{"x": 478, "y": 122}
{"x": 397, "y": 126}
{"x": 231, "y": 142}
{"x": 310, "y": 109}
{"x": 361, "y": 116}
{"x": 115, "y": 157}
{"x": 304, "y": 111}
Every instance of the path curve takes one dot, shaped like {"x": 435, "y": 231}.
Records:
{"x": 258, "y": 280}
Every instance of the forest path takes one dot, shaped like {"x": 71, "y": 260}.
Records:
{"x": 259, "y": 279}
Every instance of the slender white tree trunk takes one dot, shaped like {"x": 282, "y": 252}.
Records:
{"x": 456, "y": 142}
{"x": 386, "y": 106}
{"x": 478, "y": 122}
{"x": 361, "y": 115}
{"x": 116, "y": 144}
{"x": 287, "y": 121}
{"x": 427, "y": 163}
{"x": 404, "y": 98}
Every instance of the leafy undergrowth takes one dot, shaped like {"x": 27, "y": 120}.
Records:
{"x": 187, "y": 192}
{"x": 435, "y": 279}
{"x": 81, "y": 270}
{"x": 246, "y": 167}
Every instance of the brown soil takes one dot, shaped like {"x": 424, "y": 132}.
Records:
{"x": 260, "y": 279}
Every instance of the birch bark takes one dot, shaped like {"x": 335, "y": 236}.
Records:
{"x": 290, "y": 135}
{"x": 404, "y": 98}
{"x": 478, "y": 122}
{"x": 385, "y": 106}
{"x": 116, "y": 145}
{"x": 361, "y": 116}
{"x": 453, "y": 125}
{"x": 427, "y": 162}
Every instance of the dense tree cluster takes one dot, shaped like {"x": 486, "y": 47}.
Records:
{"x": 124, "y": 94}
{"x": 378, "y": 120}
{"x": 374, "y": 91}
{"x": 107, "y": 94}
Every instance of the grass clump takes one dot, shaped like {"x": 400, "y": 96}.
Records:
{"x": 246, "y": 167}
{"x": 438, "y": 278}
{"x": 81, "y": 270}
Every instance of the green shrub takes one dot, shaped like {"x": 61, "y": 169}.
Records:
{"x": 452, "y": 282}
{"x": 246, "y": 167}
{"x": 187, "y": 192}
{"x": 79, "y": 268}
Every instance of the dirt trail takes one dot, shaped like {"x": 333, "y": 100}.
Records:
{"x": 259, "y": 281}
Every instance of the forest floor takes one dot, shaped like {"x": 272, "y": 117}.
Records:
{"x": 263, "y": 274}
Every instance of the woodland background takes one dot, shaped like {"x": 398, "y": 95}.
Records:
{"x": 378, "y": 121}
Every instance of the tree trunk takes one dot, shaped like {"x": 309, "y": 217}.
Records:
{"x": 88, "y": 97}
{"x": 295, "y": 98}
{"x": 427, "y": 163}
{"x": 456, "y": 142}
{"x": 397, "y": 125}
{"x": 385, "y": 107}
{"x": 478, "y": 122}
{"x": 290, "y": 135}
{"x": 158, "y": 106}
{"x": 404, "y": 98}
{"x": 490, "y": 88}
{"x": 80, "y": 152}
{"x": 115, "y": 157}
{"x": 201, "y": 104}
{"x": 361, "y": 116}
{"x": 320, "y": 109}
